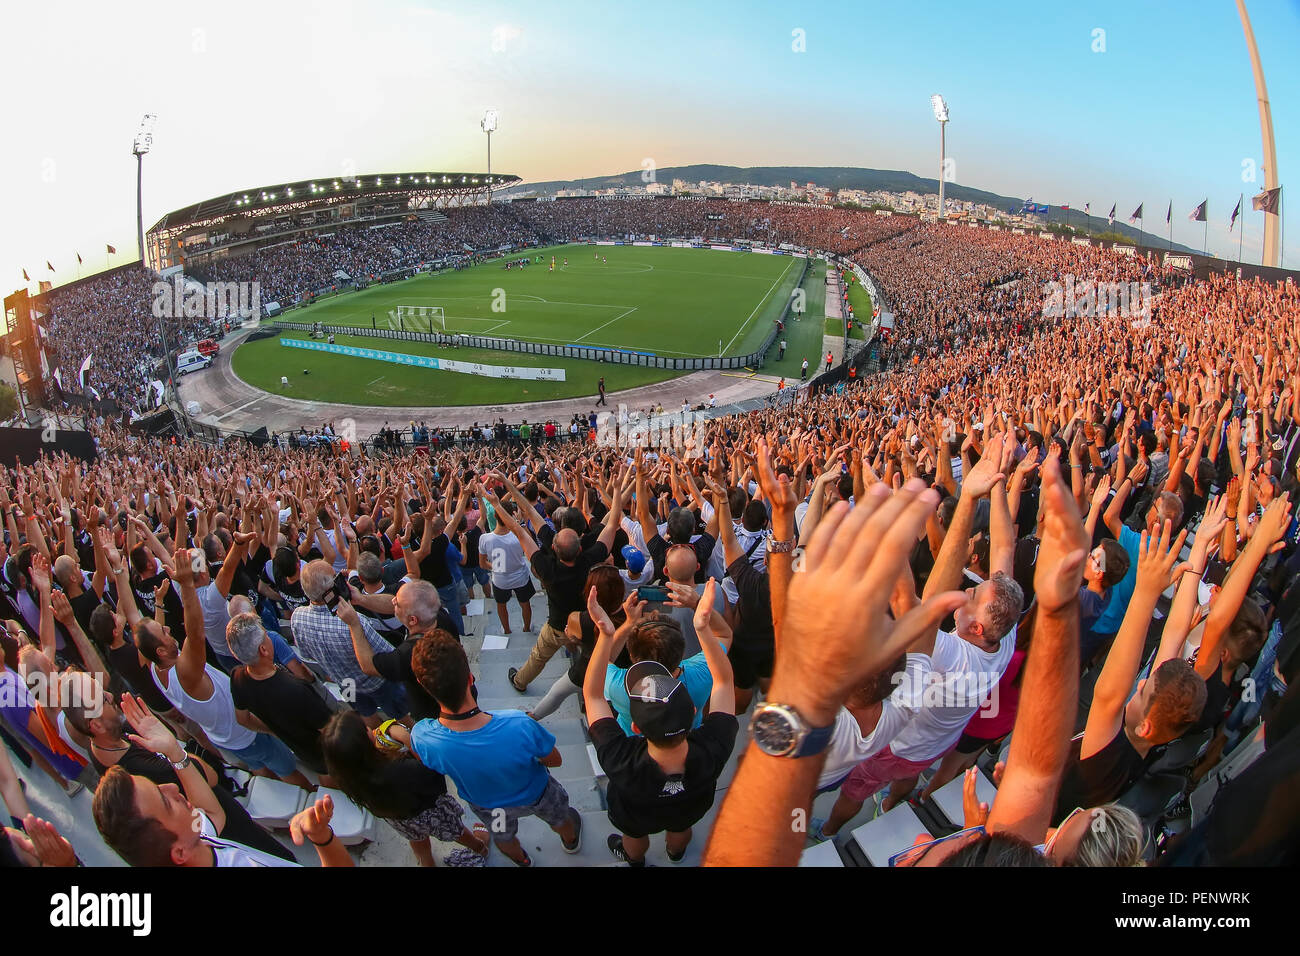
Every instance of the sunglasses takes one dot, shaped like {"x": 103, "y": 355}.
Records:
{"x": 914, "y": 854}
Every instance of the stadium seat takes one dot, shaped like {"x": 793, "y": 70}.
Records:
{"x": 822, "y": 854}
{"x": 887, "y": 834}
{"x": 274, "y": 803}
{"x": 948, "y": 798}
{"x": 352, "y": 824}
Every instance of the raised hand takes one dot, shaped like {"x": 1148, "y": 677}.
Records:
{"x": 1058, "y": 572}
{"x": 852, "y": 561}
{"x": 313, "y": 823}
{"x": 1156, "y": 558}
{"x": 150, "y": 732}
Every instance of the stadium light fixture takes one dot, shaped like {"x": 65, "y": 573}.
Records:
{"x": 941, "y": 114}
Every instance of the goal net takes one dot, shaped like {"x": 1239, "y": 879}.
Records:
{"x": 418, "y": 318}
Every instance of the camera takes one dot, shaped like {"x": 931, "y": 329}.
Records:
{"x": 339, "y": 590}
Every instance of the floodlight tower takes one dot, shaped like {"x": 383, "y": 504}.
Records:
{"x": 941, "y": 114}
{"x": 143, "y": 143}
{"x": 489, "y": 124}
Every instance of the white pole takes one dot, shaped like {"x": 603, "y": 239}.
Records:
{"x": 942, "y": 161}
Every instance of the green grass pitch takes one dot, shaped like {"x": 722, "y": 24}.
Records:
{"x": 668, "y": 301}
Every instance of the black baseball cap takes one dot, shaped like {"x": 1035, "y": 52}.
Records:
{"x": 659, "y": 703}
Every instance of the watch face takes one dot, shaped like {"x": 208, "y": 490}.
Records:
{"x": 773, "y": 732}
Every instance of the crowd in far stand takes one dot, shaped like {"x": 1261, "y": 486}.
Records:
{"x": 1033, "y": 518}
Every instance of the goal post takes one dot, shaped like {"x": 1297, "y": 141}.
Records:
{"x": 418, "y": 318}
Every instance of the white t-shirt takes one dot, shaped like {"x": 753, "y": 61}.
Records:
{"x": 216, "y": 615}
{"x": 849, "y": 747}
{"x": 513, "y": 564}
{"x": 229, "y": 853}
{"x": 959, "y": 677}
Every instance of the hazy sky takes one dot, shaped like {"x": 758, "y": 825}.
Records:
{"x": 250, "y": 94}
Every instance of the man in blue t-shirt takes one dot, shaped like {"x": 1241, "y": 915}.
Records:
{"x": 498, "y": 760}
{"x": 659, "y": 638}
{"x": 1167, "y": 507}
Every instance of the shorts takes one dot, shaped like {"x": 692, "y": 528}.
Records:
{"x": 875, "y": 773}
{"x": 462, "y": 591}
{"x": 551, "y": 808}
{"x": 267, "y": 752}
{"x": 390, "y": 698}
{"x": 442, "y": 821}
{"x": 477, "y": 575}
{"x": 523, "y": 594}
{"x": 968, "y": 745}
{"x": 749, "y": 665}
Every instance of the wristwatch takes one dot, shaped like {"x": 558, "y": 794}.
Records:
{"x": 779, "y": 731}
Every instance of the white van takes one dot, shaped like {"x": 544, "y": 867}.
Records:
{"x": 192, "y": 361}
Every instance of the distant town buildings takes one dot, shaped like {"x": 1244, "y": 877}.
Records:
{"x": 925, "y": 205}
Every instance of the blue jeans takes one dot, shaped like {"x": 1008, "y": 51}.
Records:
{"x": 450, "y": 597}
{"x": 1262, "y": 678}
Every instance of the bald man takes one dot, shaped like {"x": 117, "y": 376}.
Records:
{"x": 562, "y": 568}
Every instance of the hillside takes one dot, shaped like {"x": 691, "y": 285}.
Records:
{"x": 840, "y": 177}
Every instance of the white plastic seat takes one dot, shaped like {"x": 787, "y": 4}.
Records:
{"x": 822, "y": 854}
{"x": 351, "y": 823}
{"x": 948, "y": 798}
{"x": 274, "y": 803}
{"x": 890, "y": 833}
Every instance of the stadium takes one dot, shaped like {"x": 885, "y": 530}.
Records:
{"x": 461, "y": 518}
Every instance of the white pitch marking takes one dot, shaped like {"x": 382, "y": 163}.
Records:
{"x": 610, "y": 322}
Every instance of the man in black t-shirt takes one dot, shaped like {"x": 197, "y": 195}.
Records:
{"x": 288, "y": 705}
{"x": 419, "y": 609}
{"x": 562, "y": 568}
{"x": 664, "y": 779}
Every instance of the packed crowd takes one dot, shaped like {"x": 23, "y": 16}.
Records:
{"x": 987, "y": 549}
{"x": 112, "y": 316}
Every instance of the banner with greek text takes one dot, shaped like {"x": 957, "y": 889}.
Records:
{"x": 428, "y": 361}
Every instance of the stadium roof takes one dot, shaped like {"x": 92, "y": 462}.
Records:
{"x": 327, "y": 190}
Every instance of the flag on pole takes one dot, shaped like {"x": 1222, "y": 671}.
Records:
{"x": 1235, "y": 213}
{"x": 85, "y": 367}
{"x": 111, "y": 250}
{"x": 48, "y": 266}
{"x": 27, "y": 278}
{"x": 1169, "y": 213}
{"x": 1110, "y": 218}
{"x": 1267, "y": 201}
{"x": 78, "y": 258}
{"x": 1137, "y": 213}
{"x": 1198, "y": 214}
{"x": 1087, "y": 208}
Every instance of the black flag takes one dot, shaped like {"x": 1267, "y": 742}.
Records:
{"x": 1267, "y": 201}
{"x": 1198, "y": 214}
{"x": 1169, "y": 213}
{"x": 1137, "y": 213}
{"x": 1235, "y": 213}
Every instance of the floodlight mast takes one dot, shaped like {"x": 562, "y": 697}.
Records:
{"x": 143, "y": 144}
{"x": 489, "y": 123}
{"x": 941, "y": 114}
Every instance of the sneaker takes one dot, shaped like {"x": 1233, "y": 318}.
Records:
{"x": 510, "y": 674}
{"x": 615, "y": 844}
{"x": 815, "y": 834}
{"x": 576, "y": 845}
{"x": 678, "y": 858}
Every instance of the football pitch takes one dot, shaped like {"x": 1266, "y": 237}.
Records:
{"x": 662, "y": 300}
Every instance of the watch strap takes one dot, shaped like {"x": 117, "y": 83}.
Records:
{"x": 815, "y": 741}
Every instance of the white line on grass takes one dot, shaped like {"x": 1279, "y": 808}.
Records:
{"x": 610, "y": 322}
{"x": 761, "y": 302}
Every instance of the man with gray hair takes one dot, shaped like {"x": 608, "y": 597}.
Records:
{"x": 418, "y": 608}
{"x": 292, "y": 710}
{"x": 960, "y": 669}
{"x": 325, "y": 638}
